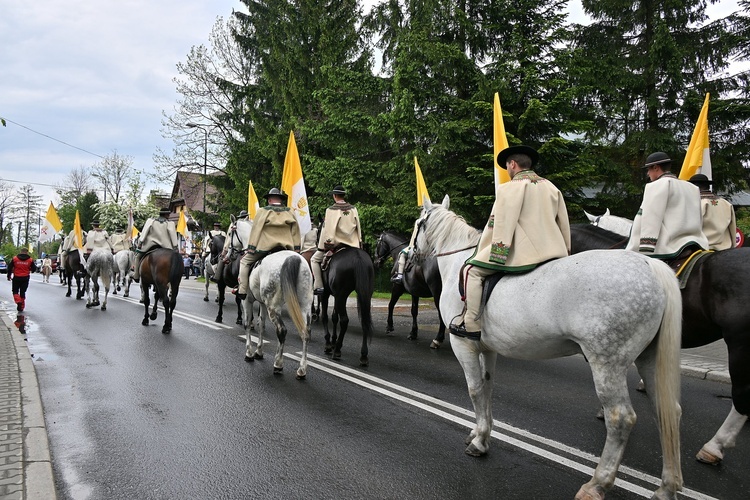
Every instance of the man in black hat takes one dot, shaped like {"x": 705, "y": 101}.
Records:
{"x": 527, "y": 227}
{"x": 341, "y": 227}
{"x": 242, "y": 215}
{"x": 157, "y": 232}
{"x": 669, "y": 220}
{"x": 274, "y": 227}
{"x": 719, "y": 223}
{"x": 217, "y": 231}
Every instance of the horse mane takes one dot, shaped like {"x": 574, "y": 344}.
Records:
{"x": 449, "y": 231}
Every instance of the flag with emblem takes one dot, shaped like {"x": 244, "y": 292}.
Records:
{"x": 51, "y": 225}
{"x": 421, "y": 187}
{"x": 293, "y": 184}
{"x": 500, "y": 141}
{"x": 252, "y": 201}
{"x": 78, "y": 240}
{"x": 697, "y": 158}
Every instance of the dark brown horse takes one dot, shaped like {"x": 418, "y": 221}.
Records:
{"x": 420, "y": 280}
{"x": 73, "y": 268}
{"x": 714, "y": 306}
{"x": 163, "y": 269}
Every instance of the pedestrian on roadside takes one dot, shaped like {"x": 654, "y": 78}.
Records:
{"x": 20, "y": 268}
{"x": 188, "y": 264}
{"x": 197, "y": 266}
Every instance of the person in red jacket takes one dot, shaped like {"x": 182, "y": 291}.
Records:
{"x": 21, "y": 266}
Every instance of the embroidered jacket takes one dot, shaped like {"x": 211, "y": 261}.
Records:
{"x": 274, "y": 226}
{"x": 719, "y": 223}
{"x": 341, "y": 227}
{"x": 158, "y": 232}
{"x": 97, "y": 238}
{"x": 669, "y": 219}
{"x": 528, "y": 226}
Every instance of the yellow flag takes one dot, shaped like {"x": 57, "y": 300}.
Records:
{"x": 252, "y": 201}
{"x": 500, "y": 141}
{"x": 293, "y": 185}
{"x": 51, "y": 226}
{"x": 134, "y": 234}
{"x": 421, "y": 187}
{"x": 182, "y": 224}
{"x": 78, "y": 241}
{"x": 697, "y": 158}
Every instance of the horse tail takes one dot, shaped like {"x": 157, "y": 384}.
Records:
{"x": 667, "y": 383}
{"x": 290, "y": 269}
{"x": 364, "y": 286}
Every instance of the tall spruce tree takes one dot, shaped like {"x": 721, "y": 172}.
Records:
{"x": 644, "y": 68}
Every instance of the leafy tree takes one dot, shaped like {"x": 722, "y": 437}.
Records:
{"x": 115, "y": 174}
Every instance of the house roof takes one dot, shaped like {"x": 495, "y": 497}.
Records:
{"x": 189, "y": 186}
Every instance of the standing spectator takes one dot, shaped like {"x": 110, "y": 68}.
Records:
{"x": 21, "y": 266}
{"x": 188, "y": 263}
{"x": 197, "y": 266}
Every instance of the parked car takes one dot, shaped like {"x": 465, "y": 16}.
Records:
{"x": 39, "y": 265}
{"x": 3, "y": 265}
{"x": 53, "y": 258}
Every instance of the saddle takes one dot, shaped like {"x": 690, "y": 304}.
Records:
{"x": 329, "y": 255}
{"x": 683, "y": 267}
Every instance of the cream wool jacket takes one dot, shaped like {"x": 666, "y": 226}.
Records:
{"x": 340, "y": 227}
{"x": 669, "y": 219}
{"x": 274, "y": 226}
{"x": 528, "y": 226}
{"x": 158, "y": 233}
{"x": 119, "y": 241}
{"x": 97, "y": 239}
{"x": 719, "y": 223}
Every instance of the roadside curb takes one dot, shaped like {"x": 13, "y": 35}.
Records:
{"x": 38, "y": 478}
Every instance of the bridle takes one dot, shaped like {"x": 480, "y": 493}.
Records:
{"x": 420, "y": 256}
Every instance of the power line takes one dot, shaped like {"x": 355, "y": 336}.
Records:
{"x": 50, "y": 137}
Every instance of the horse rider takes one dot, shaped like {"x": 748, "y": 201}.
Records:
{"x": 340, "y": 227}
{"x": 119, "y": 240}
{"x": 403, "y": 256}
{"x": 217, "y": 231}
{"x": 310, "y": 240}
{"x": 157, "y": 232}
{"x": 97, "y": 238}
{"x": 668, "y": 225}
{"x": 243, "y": 215}
{"x": 719, "y": 223}
{"x": 528, "y": 226}
{"x": 46, "y": 263}
{"x": 274, "y": 227}
{"x": 20, "y": 267}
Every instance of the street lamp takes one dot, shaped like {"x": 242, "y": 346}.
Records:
{"x": 205, "y": 164}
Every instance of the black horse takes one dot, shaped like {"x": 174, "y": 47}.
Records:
{"x": 715, "y": 306}
{"x": 350, "y": 270}
{"x": 420, "y": 280}
{"x": 162, "y": 268}
{"x": 74, "y": 269}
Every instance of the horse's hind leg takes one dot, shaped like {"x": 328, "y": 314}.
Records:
{"x": 712, "y": 452}
{"x": 146, "y": 301}
{"x": 339, "y": 313}
{"x": 156, "y": 303}
{"x": 612, "y": 388}
{"x": 440, "y": 337}
{"x": 278, "y": 360}
{"x": 107, "y": 280}
{"x": 252, "y": 353}
{"x": 394, "y": 298}
{"x": 305, "y": 336}
{"x": 170, "y": 301}
{"x": 479, "y": 370}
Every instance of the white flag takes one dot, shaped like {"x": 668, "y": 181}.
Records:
{"x": 51, "y": 225}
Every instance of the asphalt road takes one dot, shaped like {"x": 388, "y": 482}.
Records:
{"x": 133, "y": 413}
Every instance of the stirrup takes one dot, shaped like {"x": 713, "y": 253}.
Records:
{"x": 398, "y": 279}
{"x": 319, "y": 291}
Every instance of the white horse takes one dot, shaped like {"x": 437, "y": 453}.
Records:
{"x": 209, "y": 269}
{"x": 123, "y": 274}
{"x": 281, "y": 279}
{"x": 100, "y": 265}
{"x": 614, "y": 307}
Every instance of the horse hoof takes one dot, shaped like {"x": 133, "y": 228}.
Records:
{"x": 89, "y": 306}
{"x": 166, "y": 329}
{"x": 104, "y": 307}
{"x": 277, "y": 371}
{"x": 145, "y": 322}
{"x": 126, "y": 294}
{"x": 153, "y": 316}
{"x": 257, "y": 356}
{"x": 706, "y": 457}
{"x": 95, "y": 303}
{"x": 249, "y": 359}
{"x": 590, "y": 493}
{"x": 434, "y": 344}
{"x": 600, "y": 413}
{"x": 67, "y": 294}
{"x": 473, "y": 451}
{"x": 315, "y": 317}
{"x": 412, "y": 337}
{"x": 337, "y": 355}
{"x": 218, "y": 319}
{"x": 205, "y": 299}
{"x": 239, "y": 322}
{"x": 364, "y": 362}
{"x": 118, "y": 289}
{"x": 301, "y": 377}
